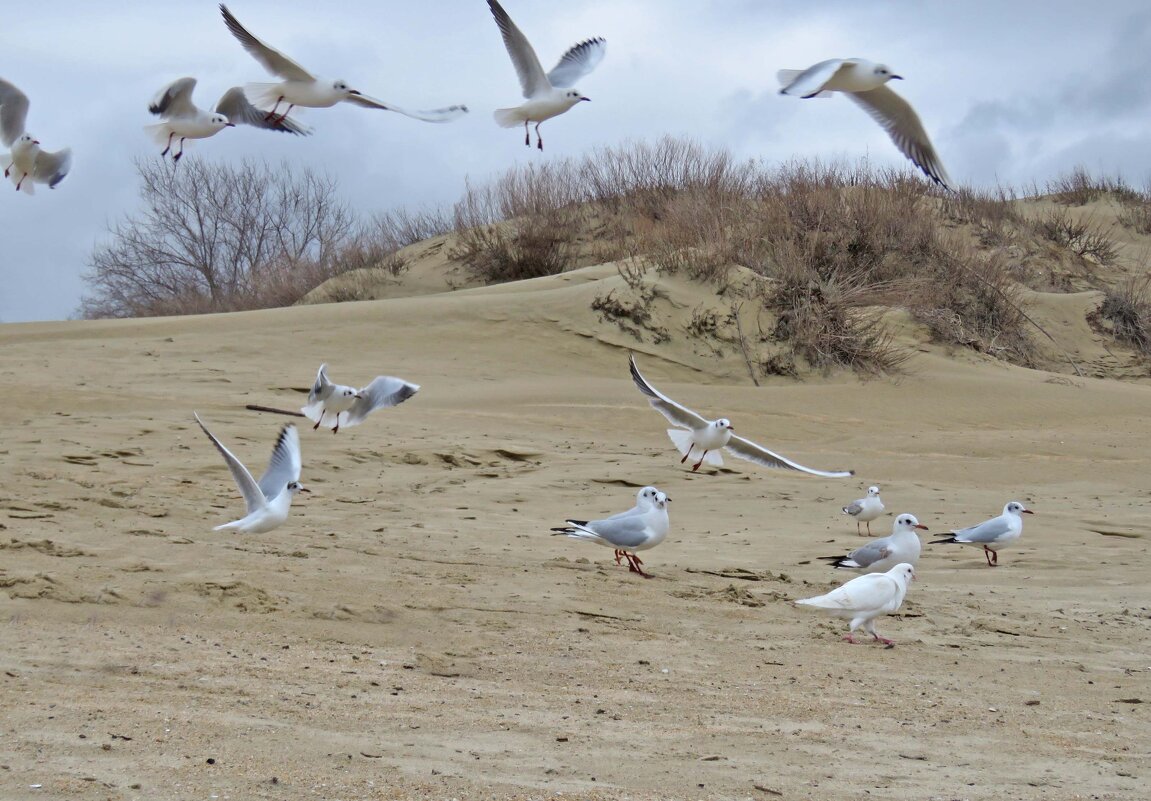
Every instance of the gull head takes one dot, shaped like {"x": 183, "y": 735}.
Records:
{"x": 872, "y": 492}
{"x": 296, "y": 486}
{"x": 342, "y": 89}
{"x": 909, "y": 521}
{"x": 25, "y": 142}
{"x": 1016, "y": 508}
{"x": 722, "y": 424}
{"x": 661, "y": 500}
{"x": 884, "y": 73}
{"x": 573, "y": 96}
{"x": 649, "y": 494}
{"x": 348, "y": 392}
{"x": 220, "y": 121}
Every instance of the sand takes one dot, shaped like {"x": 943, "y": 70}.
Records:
{"x": 414, "y": 632}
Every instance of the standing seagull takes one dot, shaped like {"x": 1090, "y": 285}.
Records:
{"x": 184, "y": 120}
{"x": 354, "y": 404}
{"x": 885, "y": 553}
{"x": 993, "y": 534}
{"x": 865, "y": 598}
{"x": 864, "y": 82}
{"x": 865, "y": 509}
{"x": 27, "y": 164}
{"x": 550, "y": 94}
{"x": 708, "y": 437}
{"x": 269, "y": 499}
{"x": 301, "y": 88}
{"x": 626, "y": 533}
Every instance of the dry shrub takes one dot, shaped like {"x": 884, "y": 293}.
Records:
{"x": 992, "y": 214}
{"x": 1085, "y": 238}
{"x": 1079, "y": 187}
{"x": 1127, "y": 310}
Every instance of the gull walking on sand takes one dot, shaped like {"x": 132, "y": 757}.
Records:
{"x": 628, "y": 532}
{"x": 994, "y": 534}
{"x": 300, "y": 88}
{"x": 865, "y": 598}
{"x": 865, "y": 509}
{"x": 269, "y": 499}
{"x": 548, "y": 94}
{"x": 707, "y": 437}
{"x": 184, "y": 120}
{"x": 27, "y": 164}
{"x": 882, "y": 554}
{"x": 348, "y": 406}
{"x": 864, "y": 82}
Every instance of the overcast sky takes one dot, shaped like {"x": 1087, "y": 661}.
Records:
{"x": 1010, "y": 92}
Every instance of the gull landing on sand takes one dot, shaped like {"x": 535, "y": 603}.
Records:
{"x": 865, "y": 509}
{"x": 550, "y": 94}
{"x": 300, "y": 88}
{"x": 269, "y": 499}
{"x": 885, "y": 553}
{"x": 27, "y": 164}
{"x": 864, "y": 82}
{"x": 707, "y": 437}
{"x": 638, "y": 529}
{"x": 865, "y": 598}
{"x": 348, "y": 406}
{"x": 994, "y": 534}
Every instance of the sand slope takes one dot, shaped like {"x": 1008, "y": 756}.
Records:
{"x": 413, "y": 631}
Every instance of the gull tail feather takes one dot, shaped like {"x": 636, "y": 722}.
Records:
{"x": 508, "y": 117}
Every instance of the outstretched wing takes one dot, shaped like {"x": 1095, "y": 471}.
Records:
{"x": 273, "y": 60}
{"x": 746, "y": 449}
{"x": 524, "y": 58}
{"x": 13, "y": 112}
{"x": 577, "y": 62}
{"x": 175, "y": 99}
{"x": 674, "y": 412}
{"x": 809, "y": 82}
{"x": 385, "y": 390}
{"x": 253, "y": 497}
{"x": 446, "y": 114}
{"x": 235, "y": 106}
{"x": 284, "y": 466}
{"x": 902, "y": 124}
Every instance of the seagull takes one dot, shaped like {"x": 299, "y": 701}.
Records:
{"x": 865, "y": 598}
{"x": 885, "y": 553}
{"x": 184, "y": 120}
{"x": 354, "y": 404}
{"x": 644, "y": 500}
{"x": 27, "y": 164}
{"x": 865, "y": 509}
{"x": 864, "y": 82}
{"x": 993, "y": 534}
{"x": 627, "y": 532}
{"x": 708, "y": 437}
{"x": 301, "y": 88}
{"x": 269, "y": 499}
{"x": 550, "y": 94}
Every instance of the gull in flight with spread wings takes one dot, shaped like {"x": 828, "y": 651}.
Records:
{"x": 27, "y": 164}
{"x": 183, "y": 119}
{"x": 300, "y": 88}
{"x": 269, "y": 499}
{"x": 548, "y": 94}
{"x": 865, "y": 83}
{"x": 707, "y": 437}
{"x": 348, "y": 406}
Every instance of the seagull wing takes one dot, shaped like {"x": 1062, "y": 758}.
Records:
{"x": 385, "y": 390}
{"x": 253, "y": 498}
{"x": 986, "y": 532}
{"x": 524, "y": 58}
{"x": 284, "y": 466}
{"x": 446, "y": 114}
{"x": 577, "y": 62}
{"x": 235, "y": 106}
{"x": 52, "y": 167}
{"x": 13, "y": 112}
{"x": 746, "y": 449}
{"x": 626, "y": 533}
{"x": 809, "y": 82}
{"x": 273, "y": 60}
{"x": 175, "y": 99}
{"x": 902, "y": 124}
{"x": 674, "y": 412}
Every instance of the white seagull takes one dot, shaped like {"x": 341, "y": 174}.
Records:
{"x": 301, "y": 88}
{"x": 27, "y": 164}
{"x": 885, "y": 553}
{"x": 994, "y": 534}
{"x": 269, "y": 499}
{"x": 348, "y": 406}
{"x": 628, "y": 532}
{"x": 707, "y": 437}
{"x": 184, "y": 120}
{"x": 865, "y": 598}
{"x": 864, "y": 82}
{"x": 865, "y": 509}
{"x": 548, "y": 94}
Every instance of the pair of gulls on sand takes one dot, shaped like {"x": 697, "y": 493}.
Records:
{"x": 269, "y": 500}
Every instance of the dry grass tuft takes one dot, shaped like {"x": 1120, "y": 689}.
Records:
{"x": 1126, "y": 309}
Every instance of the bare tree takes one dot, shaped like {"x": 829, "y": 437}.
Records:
{"x": 217, "y": 237}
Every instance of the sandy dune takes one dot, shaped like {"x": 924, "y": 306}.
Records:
{"x": 413, "y": 631}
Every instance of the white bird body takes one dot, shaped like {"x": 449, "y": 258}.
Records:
{"x": 865, "y": 509}
{"x": 638, "y": 529}
{"x": 301, "y": 88}
{"x": 708, "y": 437}
{"x": 548, "y": 94}
{"x": 268, "y": 500}
{"x": 881, "y": 555}
{"x": 992, "y": 535}
{"x": 335, "y": 405}
{"x": 27, "y": 163}
{"x": 865, "y": 598}
{"x": 864, "y": 82}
